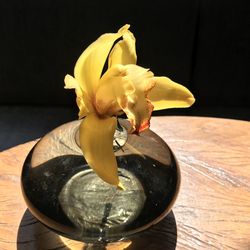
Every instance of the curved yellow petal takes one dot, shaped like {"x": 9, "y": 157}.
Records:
{"x": 81, "y": 97}
{"x": 138, "y": 110}
{"x": 90, "y": 64}
{"x": 124, "y": 52}
{"x": 96, "y": 140}
{"x": 168, "y": 94}
{"x": 142, "y": 78}
{"x": 135, "y": 84}
{"x": 71, "y": 83}
{"x": 138, "y": 107}
{"x": 125, "y": 88}
{"x": 114, "y": 88}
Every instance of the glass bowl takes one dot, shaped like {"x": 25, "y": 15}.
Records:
{"x": 65, "y": 195}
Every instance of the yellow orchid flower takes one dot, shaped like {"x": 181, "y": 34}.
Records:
{"x": 124, "y": 87}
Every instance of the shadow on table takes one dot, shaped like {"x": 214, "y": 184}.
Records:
{"x": 33, "y": 235}
{"x": 160, "y": 236}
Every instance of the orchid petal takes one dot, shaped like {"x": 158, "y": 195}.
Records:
{"x": 125, "y": 88}
{"x": 89, "y": 66}
{"x": 168, "y": 94}
{"x": 138, "y": 107}
{"x": 113, "y": 89}
{"x": 124, "y": 51}
{"x": 138, "y": 110}
{"x": 142, "y": 78}
{"x": 96, "y": 140}
{"x": 81, "y": 97}
{"x": 71, "y": 83}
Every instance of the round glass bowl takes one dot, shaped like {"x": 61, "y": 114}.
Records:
{"x": 64, "y": 194}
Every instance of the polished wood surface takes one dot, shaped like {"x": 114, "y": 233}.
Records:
{"x": 212, "y": 210}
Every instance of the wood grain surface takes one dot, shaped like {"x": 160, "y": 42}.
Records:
{"x": 211, "y": 212}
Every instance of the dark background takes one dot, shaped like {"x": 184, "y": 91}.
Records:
{"x": 202, "y": 44}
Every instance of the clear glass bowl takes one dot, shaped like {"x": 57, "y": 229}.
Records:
{"x": 64, "y": 194}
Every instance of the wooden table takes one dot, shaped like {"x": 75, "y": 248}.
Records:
{"x": 211, "y": 212}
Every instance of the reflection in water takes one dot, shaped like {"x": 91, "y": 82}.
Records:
{"x": 95, "y": 206}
